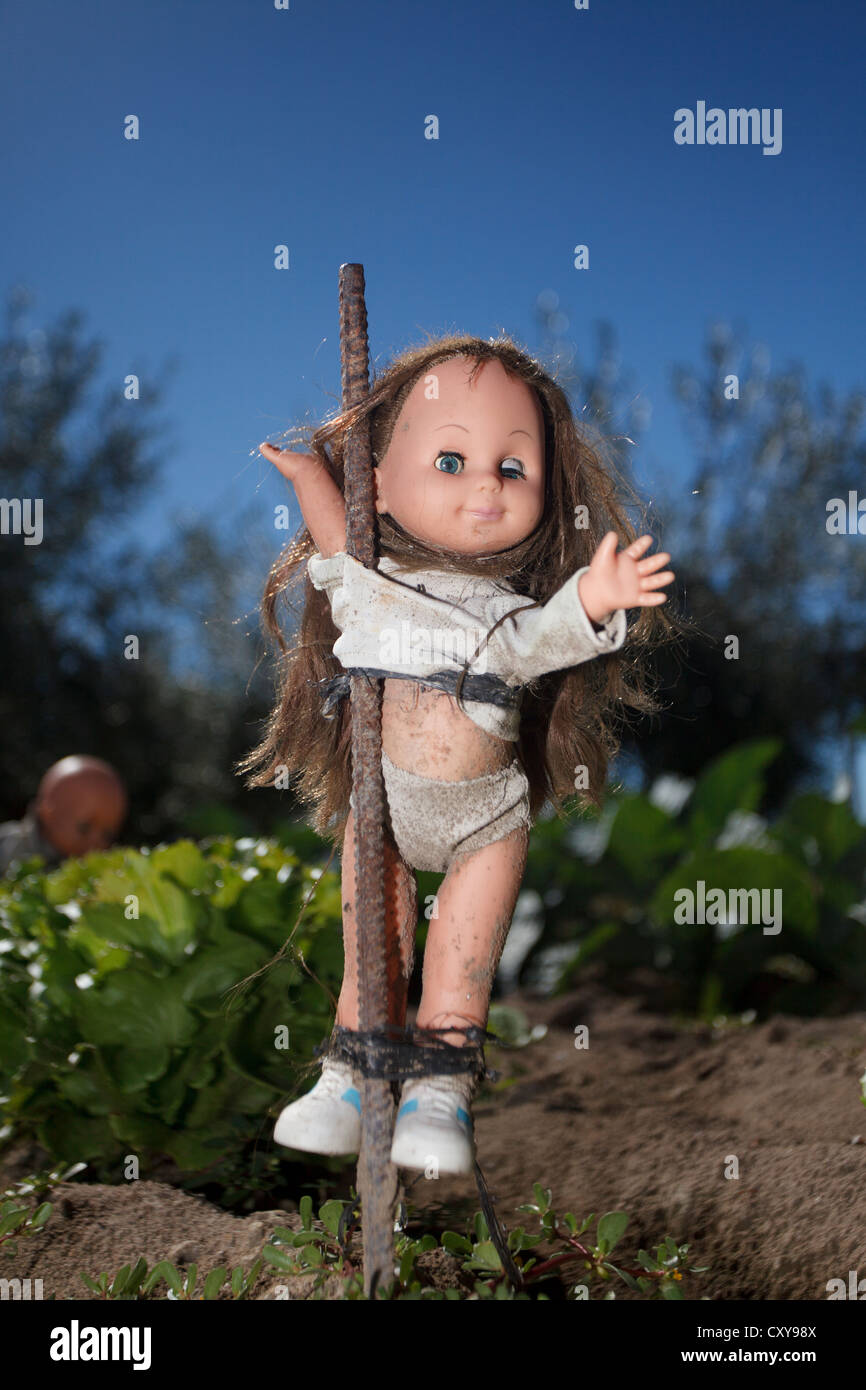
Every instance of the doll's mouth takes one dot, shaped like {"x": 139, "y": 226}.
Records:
{"x": 486, "y": 514}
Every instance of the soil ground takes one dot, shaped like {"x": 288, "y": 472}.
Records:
{"x": 650, "y": 1119}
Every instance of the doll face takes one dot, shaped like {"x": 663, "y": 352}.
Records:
{"x": 81, "y": 812}
{"x": 465, "y": 468}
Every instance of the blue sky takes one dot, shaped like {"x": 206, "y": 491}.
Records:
{"x": 305, "y": 126}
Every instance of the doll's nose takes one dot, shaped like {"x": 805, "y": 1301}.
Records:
{"x": 490, "y": 485}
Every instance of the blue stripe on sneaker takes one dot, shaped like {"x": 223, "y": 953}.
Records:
{"x": 463, "y": 1117}
{"x": 353, "y": 1098}
{"x": 407, "y": 1107}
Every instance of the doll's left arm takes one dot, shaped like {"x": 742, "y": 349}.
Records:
{"x": 559, "y": 634}
{"x": 586, "y": 617}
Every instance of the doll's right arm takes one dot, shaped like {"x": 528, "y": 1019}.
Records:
{"x": 322, "y": 504}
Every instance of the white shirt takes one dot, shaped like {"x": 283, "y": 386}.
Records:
{"x": 416, "y": 623}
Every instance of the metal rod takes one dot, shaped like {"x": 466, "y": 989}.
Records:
{"x": 377, "y": 1176}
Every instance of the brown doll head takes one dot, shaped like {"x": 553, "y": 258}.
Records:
{"x": 80, "y": 804}
{"x": 568, "y": 717}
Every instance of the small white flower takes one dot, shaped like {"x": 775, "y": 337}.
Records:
{"x": 70, "y": 910}
{"x": 743, "y": 828}
{"x": 670, "y": 793}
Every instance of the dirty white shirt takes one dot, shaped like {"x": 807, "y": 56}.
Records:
{"x": 416, "y": 623}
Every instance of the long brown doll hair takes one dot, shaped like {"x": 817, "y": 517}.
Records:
{"x": 570, "y": 719}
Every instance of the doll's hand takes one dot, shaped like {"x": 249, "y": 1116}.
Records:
{"x": 622, "y": 579}
{"x": 288, "y": 463}
{"x": 322, "y": 504}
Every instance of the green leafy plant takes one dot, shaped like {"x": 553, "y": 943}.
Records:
{"x": 134, "y": 1281}
{"x": 659, "y": 1276}
{"x": 18, "y": 1221}
{"x": 608, "y": 883}
{"x": 322, "y": 1249}
{"x": 118, "y": 1037}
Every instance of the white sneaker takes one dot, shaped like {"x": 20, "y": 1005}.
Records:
{"x": 327, "y": 1120}
{"x": 434, "y": 1125}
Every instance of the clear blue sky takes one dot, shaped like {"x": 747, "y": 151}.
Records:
{"x": 305, "y": 126}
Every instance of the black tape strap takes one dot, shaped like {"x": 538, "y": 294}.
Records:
{"x": 401, "y": 1052}
{"x": 489, "y": 689}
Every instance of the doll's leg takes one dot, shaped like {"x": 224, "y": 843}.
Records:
{"x": 475, "y": 905}
{"x": 401, "y": 920}
{"x": 328, "y": 1119}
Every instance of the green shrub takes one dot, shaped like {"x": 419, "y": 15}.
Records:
{"x": 117, "y": 1036}
{"x": 615, "y": 901}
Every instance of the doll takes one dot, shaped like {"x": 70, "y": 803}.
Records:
{"x": 495, "y": 619}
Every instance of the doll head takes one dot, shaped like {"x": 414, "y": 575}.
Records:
{"x": 464, "y": 465}
{"x": 80, "y": 805}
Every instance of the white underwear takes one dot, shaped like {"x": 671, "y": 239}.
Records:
{"x": 433, "y": 820}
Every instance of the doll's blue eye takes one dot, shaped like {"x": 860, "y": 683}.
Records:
{"x": 455, "y": 457}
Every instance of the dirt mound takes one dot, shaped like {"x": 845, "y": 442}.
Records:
{"x": 746, "y": 1141}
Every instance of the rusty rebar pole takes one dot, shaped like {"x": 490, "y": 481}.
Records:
{"x": 377, "y": 1176}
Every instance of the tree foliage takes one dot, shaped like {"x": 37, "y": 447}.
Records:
{"x": 173, "y": 719}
